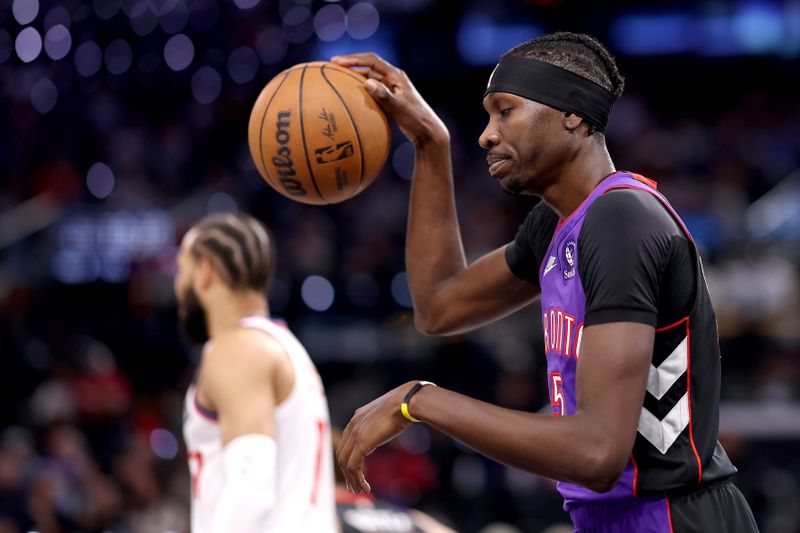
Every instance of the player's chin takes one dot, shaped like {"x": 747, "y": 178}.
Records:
{"x": 511, "y": 184}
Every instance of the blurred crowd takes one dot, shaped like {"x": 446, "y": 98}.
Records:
{"x": 97, "y": 191}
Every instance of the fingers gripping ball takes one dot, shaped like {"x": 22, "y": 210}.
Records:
{"x": 316, "y": 135}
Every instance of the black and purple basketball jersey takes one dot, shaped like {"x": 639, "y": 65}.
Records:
{"x": 676, "y": 445}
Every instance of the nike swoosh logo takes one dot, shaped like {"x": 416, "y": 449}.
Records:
{"x": 551, "y": 263}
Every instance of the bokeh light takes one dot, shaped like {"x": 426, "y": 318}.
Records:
{"x": 317, "y": 293}
{"x": 400, "y": 290}
{"x": 330, "y": 22}
{"x": 271, "y": 45}
{"x": 246, "y": 4}
{"x": 178, "y": 52}
{"x": 297, "y": 24}
{"x": 88, "y": 59}
{"x": 44, "y": 95}
{"x": 57, "y": 42}
{"x": 100, "y": 180}
{"x": 28, "y": 44}
{"x": 242, "y": 64}
{"x": 403, "y": 160}
{"x": 25, "y": 10}
{"x": 362, "y": 20}
{"x": 70, "y": 266}
{"x": 163, "y": 443}
{"x": 206, "y": 85}
{"x": 174, "y": 16}
{"x": 144, "y": 18}
{"x": 221, "y": 202}
{"x": 57, "y": 15}
{"x": 105, "y": 9}
{"x": 118, "y": 56}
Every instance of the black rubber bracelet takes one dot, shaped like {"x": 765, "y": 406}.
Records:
{"x": 412, "y": 391}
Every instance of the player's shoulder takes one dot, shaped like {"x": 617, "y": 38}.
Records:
{"x": 621, "y": 209}
{"x": 243, "y": 346}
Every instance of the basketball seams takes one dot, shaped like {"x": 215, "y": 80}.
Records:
{"x": 303, "y": 135}
{"x": 346, "y": 72}
{"x": 261, "y": 129}
{"x": 328, "y": 90}
{"x": 352, "y": 121}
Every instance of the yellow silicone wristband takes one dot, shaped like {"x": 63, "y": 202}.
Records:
{"x": 404, "y": 410}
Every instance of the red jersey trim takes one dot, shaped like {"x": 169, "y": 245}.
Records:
{"x": 669, "y": 515}
{"x": 205, "y": 412}
{"x": 689, "y": 392}
{"x": 676, "y": 324}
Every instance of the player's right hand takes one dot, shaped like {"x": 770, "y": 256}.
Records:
{"x": 393, "y": 90}
{"x": 371, "y": 426}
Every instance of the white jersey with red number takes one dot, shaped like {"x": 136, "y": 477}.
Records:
{"x": 305, "y": 487}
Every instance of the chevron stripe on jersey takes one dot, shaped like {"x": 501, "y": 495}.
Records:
{"x": 662, "y": 432}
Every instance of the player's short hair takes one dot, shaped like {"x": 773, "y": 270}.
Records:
{"x": 239, "y": 247}
{"x": 579, "y": 53}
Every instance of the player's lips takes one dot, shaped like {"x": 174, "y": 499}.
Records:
{"x": 496, "y": 163}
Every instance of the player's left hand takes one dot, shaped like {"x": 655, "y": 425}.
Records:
{"x": 371, "y": 426}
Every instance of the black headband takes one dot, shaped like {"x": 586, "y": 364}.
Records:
{"x": 553, "y": 86}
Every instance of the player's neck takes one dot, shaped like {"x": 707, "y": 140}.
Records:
{"x": 577, "y": 180}
{"x": 226, "y": 311}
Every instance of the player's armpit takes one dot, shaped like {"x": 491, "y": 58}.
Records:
{"x": 483, "y": 292}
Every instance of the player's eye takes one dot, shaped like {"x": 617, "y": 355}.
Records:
{"x": 505, "y": 111}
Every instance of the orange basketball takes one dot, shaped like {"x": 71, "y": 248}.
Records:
{"x": 316, "y": 135}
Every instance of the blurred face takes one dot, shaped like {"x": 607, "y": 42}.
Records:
{"x": 525, "y": 143}
{"x": 191, "y": 314}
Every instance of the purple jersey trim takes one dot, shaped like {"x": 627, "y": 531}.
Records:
{"x": 205, "y": 412}
{"x": 644, "y": 515}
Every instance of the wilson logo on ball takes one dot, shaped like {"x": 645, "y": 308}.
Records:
{"x": 282, "y": 160}
{"x": 329, "y": 154}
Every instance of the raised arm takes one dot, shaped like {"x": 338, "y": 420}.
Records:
{"x": 449, "y": 295}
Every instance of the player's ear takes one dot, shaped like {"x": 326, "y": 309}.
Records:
{"x": 204, "y": 273}
{"x": 572, "y": 121}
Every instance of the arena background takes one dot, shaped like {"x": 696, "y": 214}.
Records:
{"x": 124, "y": 122}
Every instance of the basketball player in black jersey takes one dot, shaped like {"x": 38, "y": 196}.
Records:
{"x": 630, "y": 333}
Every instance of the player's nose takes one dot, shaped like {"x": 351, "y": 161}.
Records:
{"x": 490, "y": 137}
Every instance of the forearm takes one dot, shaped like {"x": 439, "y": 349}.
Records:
{"x": 434, "y": 251}
{"x": 576, "y": 449}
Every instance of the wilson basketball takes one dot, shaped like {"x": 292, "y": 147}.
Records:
{"x": 316, "y": 135}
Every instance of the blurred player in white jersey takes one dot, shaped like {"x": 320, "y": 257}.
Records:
{"x": 256, "y": 419}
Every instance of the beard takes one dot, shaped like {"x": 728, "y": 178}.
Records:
{"x": 512, "y": 185}
{"x": 192, "y": 317}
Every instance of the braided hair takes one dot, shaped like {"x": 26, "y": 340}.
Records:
{"x": 579, "y": 53}
{"x": 239, "y": 247}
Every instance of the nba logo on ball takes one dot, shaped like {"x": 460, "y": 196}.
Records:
{"x": 316, "y": 135}
{"x": 569, "y": 257}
